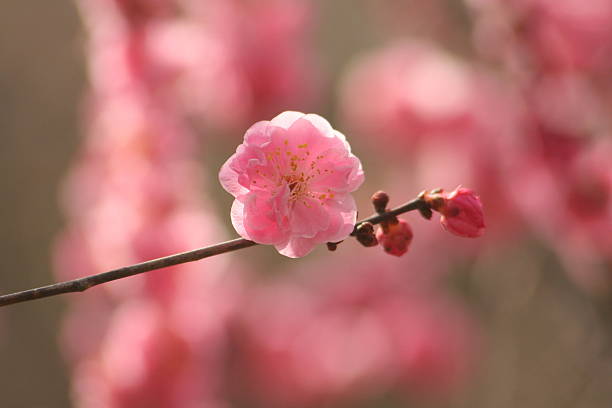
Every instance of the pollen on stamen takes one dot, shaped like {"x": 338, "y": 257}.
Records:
{"x": 303, "y": 146}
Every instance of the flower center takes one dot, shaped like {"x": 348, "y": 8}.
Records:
{"x": 298, "y": 187}
{"x": 296, "y": 170}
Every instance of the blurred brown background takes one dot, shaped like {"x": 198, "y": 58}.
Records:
{"x": 547, "y": 345}
{"x": 41, "y": 80}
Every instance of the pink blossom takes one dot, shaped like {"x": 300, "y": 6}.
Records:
{"x": 395, "y": 94}
{"x": 292, "y": 178}
{"x": 395, "y": 238}
{"x": 461, "y": 211}
{"x": 238, "y": 60}
{"x": 575, "y": 193}
{"x": 134, "y": 194}
{"x": 338, "y": 339}
{"x": 144, "y": 360}
{"x": 571, "y": 35}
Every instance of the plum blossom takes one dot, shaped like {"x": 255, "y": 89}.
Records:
{"x": 395, "y": 93}
{"x": 292, "y": 178}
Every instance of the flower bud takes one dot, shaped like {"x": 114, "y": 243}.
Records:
{"x": 396, "y": 238}
{"x": 332, "y": 246}
{"x": 462, "y": 213}
{"x": 365, "y": 234}
{"x": 380, "y": 199}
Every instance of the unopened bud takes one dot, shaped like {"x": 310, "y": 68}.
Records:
{"x": 380, "y": 199}
{"x": 396, "y": 238}
{"x": 332, "y": 246}
{"x": 461, "y": 210}
{"x": 365, "y": 228}
{"x": 365, "y": 234}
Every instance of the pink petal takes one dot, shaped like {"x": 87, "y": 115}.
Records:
{"x": 308, "y": 217}
{"x": 286, "y": 119}
{"x": 338, "y": 172}
{"x": 297, "y": 247}
{"x": 343, "y": 219}
{"x": 229, "y": 179}
{"x": 237, "y": 215}
{"x": 261, "y": 218}
{"x": 321, "y": 124}
{"x": 340, "y": 227}
{"x": 258, "y": 134}
{"x": 305, "y": 131}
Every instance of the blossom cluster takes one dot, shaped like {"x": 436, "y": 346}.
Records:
{"x": 524, "y": 121}
{"x": 513, "y": 108}
{"x": 315, "y": 338}
{"x": 135, "y": 192}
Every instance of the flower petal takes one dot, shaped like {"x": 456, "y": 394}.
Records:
{"x": 308, "y": 217}
{"x": 237, "y": 215}
{"x": 261, "y": 218}
{"x": 229, "y": 179}
{"x": 258, "y": 134}
{"x": 286, "y": 119}
{"x": 297, "y": 247}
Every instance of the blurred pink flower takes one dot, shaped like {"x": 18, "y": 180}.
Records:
{"x": 363, "y": 330}
{"x": 572, "y": 35}
{"x": 237, "y": 61}
{"x": 292, "y": 178}
{"x": 575, "y": 193}
{"x": 134, "y": 194}
{"x": 408, "y": 91}
{"x": 449, "y": 121}
{"x": 144, "y": 360}
{"x": 461, "y": 211}
{"x": 395, "y": 238}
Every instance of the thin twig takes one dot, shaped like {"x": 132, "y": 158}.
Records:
{"x": 82, "y": 284}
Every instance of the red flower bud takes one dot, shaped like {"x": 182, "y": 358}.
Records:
{"x": 395, "y": 238}
{"x": 462, "y": 213}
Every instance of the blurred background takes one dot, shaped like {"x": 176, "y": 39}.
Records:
{"x": 117, "y": 114}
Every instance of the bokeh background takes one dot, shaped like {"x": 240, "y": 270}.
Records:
{"x": 117, "y": 114}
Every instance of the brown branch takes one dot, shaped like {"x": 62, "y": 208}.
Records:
{"x": 82, "y": 284}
